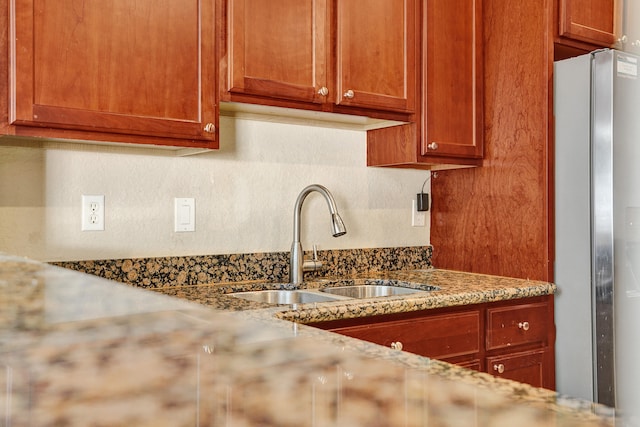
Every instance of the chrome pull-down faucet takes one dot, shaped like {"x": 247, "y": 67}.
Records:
{"x": 297, "y": 264}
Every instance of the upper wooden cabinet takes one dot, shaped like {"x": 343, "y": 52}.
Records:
{"x": 452, "y": 80}
{"x": 348, "y": 56}
{"x": 587, "y": 24}
{"x": 448, "y": 130}
{"x": 278, "y": 48}
{"x": 376, "y": 61}
{"x": 121, "y": 71}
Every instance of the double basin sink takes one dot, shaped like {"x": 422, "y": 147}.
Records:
{"x": 335, "y": 293}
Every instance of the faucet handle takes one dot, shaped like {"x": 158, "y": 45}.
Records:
{"x": 313, "y": 264}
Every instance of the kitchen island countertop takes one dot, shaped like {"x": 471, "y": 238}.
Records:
{"x": 80, "y": 350}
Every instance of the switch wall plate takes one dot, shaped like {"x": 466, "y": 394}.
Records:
{"x": 184, "y": 214}
{"x": 92, "y": 212}
{"x": 418, "y": 219}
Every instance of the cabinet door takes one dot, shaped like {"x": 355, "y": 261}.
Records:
{"x": 137, "y": 68}
{"x": 529, "y": 367}
{"x": 376, "y": 61}
{"x": 452, "y": 119}
{"x": 448, "y": 131}
{"x": 279, "y": 48}
{"x": 592, "y": 21}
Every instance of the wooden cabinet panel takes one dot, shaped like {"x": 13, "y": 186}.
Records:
{"x": 488, "y": 337}
{"x": 376, "y": 65}
{"x": 497, "y": 219}
{"x": 448, "y": 129}
{"x": 326, "y": 55}
{"x": 519, "y": 342}
{"x": 130, "y": 68}
{"x": 279, "y": 48}
{"x": 591, "y": 21}
{"x": 515, "y": 325}
{"x": 441, "y": 336}
{"x": 452, "y": 66}
{"x": 530, "y": 367}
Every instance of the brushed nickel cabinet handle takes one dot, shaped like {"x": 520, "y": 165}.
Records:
{"x": 499, "y": 368}
{"x": 349, "y": 94}
{"x": 432, "y": 146}
{"x": 324, "y": 91}
{"x": 210, "y": 128}
{"x": 524, "y": 326}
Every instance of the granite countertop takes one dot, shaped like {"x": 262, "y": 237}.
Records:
{"x": 444, "y": 289}
{"x": 81, "y": 350}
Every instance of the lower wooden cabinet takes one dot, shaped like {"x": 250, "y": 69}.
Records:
{"x": 510, "y": 339}
{"x": 527, "y": 367}
{"x": 522, "y": 323}
{"x": 520, "y": 339}
{"x": 441, "y": 336}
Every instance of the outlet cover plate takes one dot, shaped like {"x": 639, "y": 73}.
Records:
{"x": 184, "y": 214}
{"x": 92, "y": 212}
{"x": 418, "y": 219}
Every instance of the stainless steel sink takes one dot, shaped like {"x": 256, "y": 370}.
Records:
{"x": 285, "y": 296}
{"x": 370, "y": 291}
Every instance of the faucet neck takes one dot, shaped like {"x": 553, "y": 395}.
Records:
{"x": 297, "y": 255}
{"x": 297, "y": 211}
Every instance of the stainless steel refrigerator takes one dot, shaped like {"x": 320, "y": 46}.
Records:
{"x": 597, "y": 228}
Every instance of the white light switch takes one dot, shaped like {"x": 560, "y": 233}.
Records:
{"x": 185, "y": 214}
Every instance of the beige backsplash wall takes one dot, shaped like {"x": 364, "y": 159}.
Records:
{"x": 244, "y": 193}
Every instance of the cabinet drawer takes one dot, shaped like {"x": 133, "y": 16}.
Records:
{"x": 441, "y": 336}
{"x": 519, "y": 324}
{"x": 530, "y": 367}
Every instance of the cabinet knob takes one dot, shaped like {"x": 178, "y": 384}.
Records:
{"x": 432, "y": 146}
{"x": 499, "y": 368}
{"x": 524, "y": 326}
{"x": 210, "y": 128}
{"x": 397, "y": 345}
{"x": 349, "y": 94}
{"x": 323, "y": 91}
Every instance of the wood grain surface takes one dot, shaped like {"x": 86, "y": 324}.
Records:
{"x": 496, "y": 219}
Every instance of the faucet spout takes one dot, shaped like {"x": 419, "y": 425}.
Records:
{"x": 337, "y": 225}
{"x": 296, "y": 267}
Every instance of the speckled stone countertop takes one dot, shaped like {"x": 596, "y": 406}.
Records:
{"x": 443, "y": 289}
{"x": 78, "y": 350}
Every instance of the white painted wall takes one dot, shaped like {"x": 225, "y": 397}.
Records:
{"x": 630, "y": 11}
{"x": 245, "y": 194}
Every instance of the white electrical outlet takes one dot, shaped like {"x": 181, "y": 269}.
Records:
{"x": 92, "y": 213}
{"x": 418, "y": 219}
